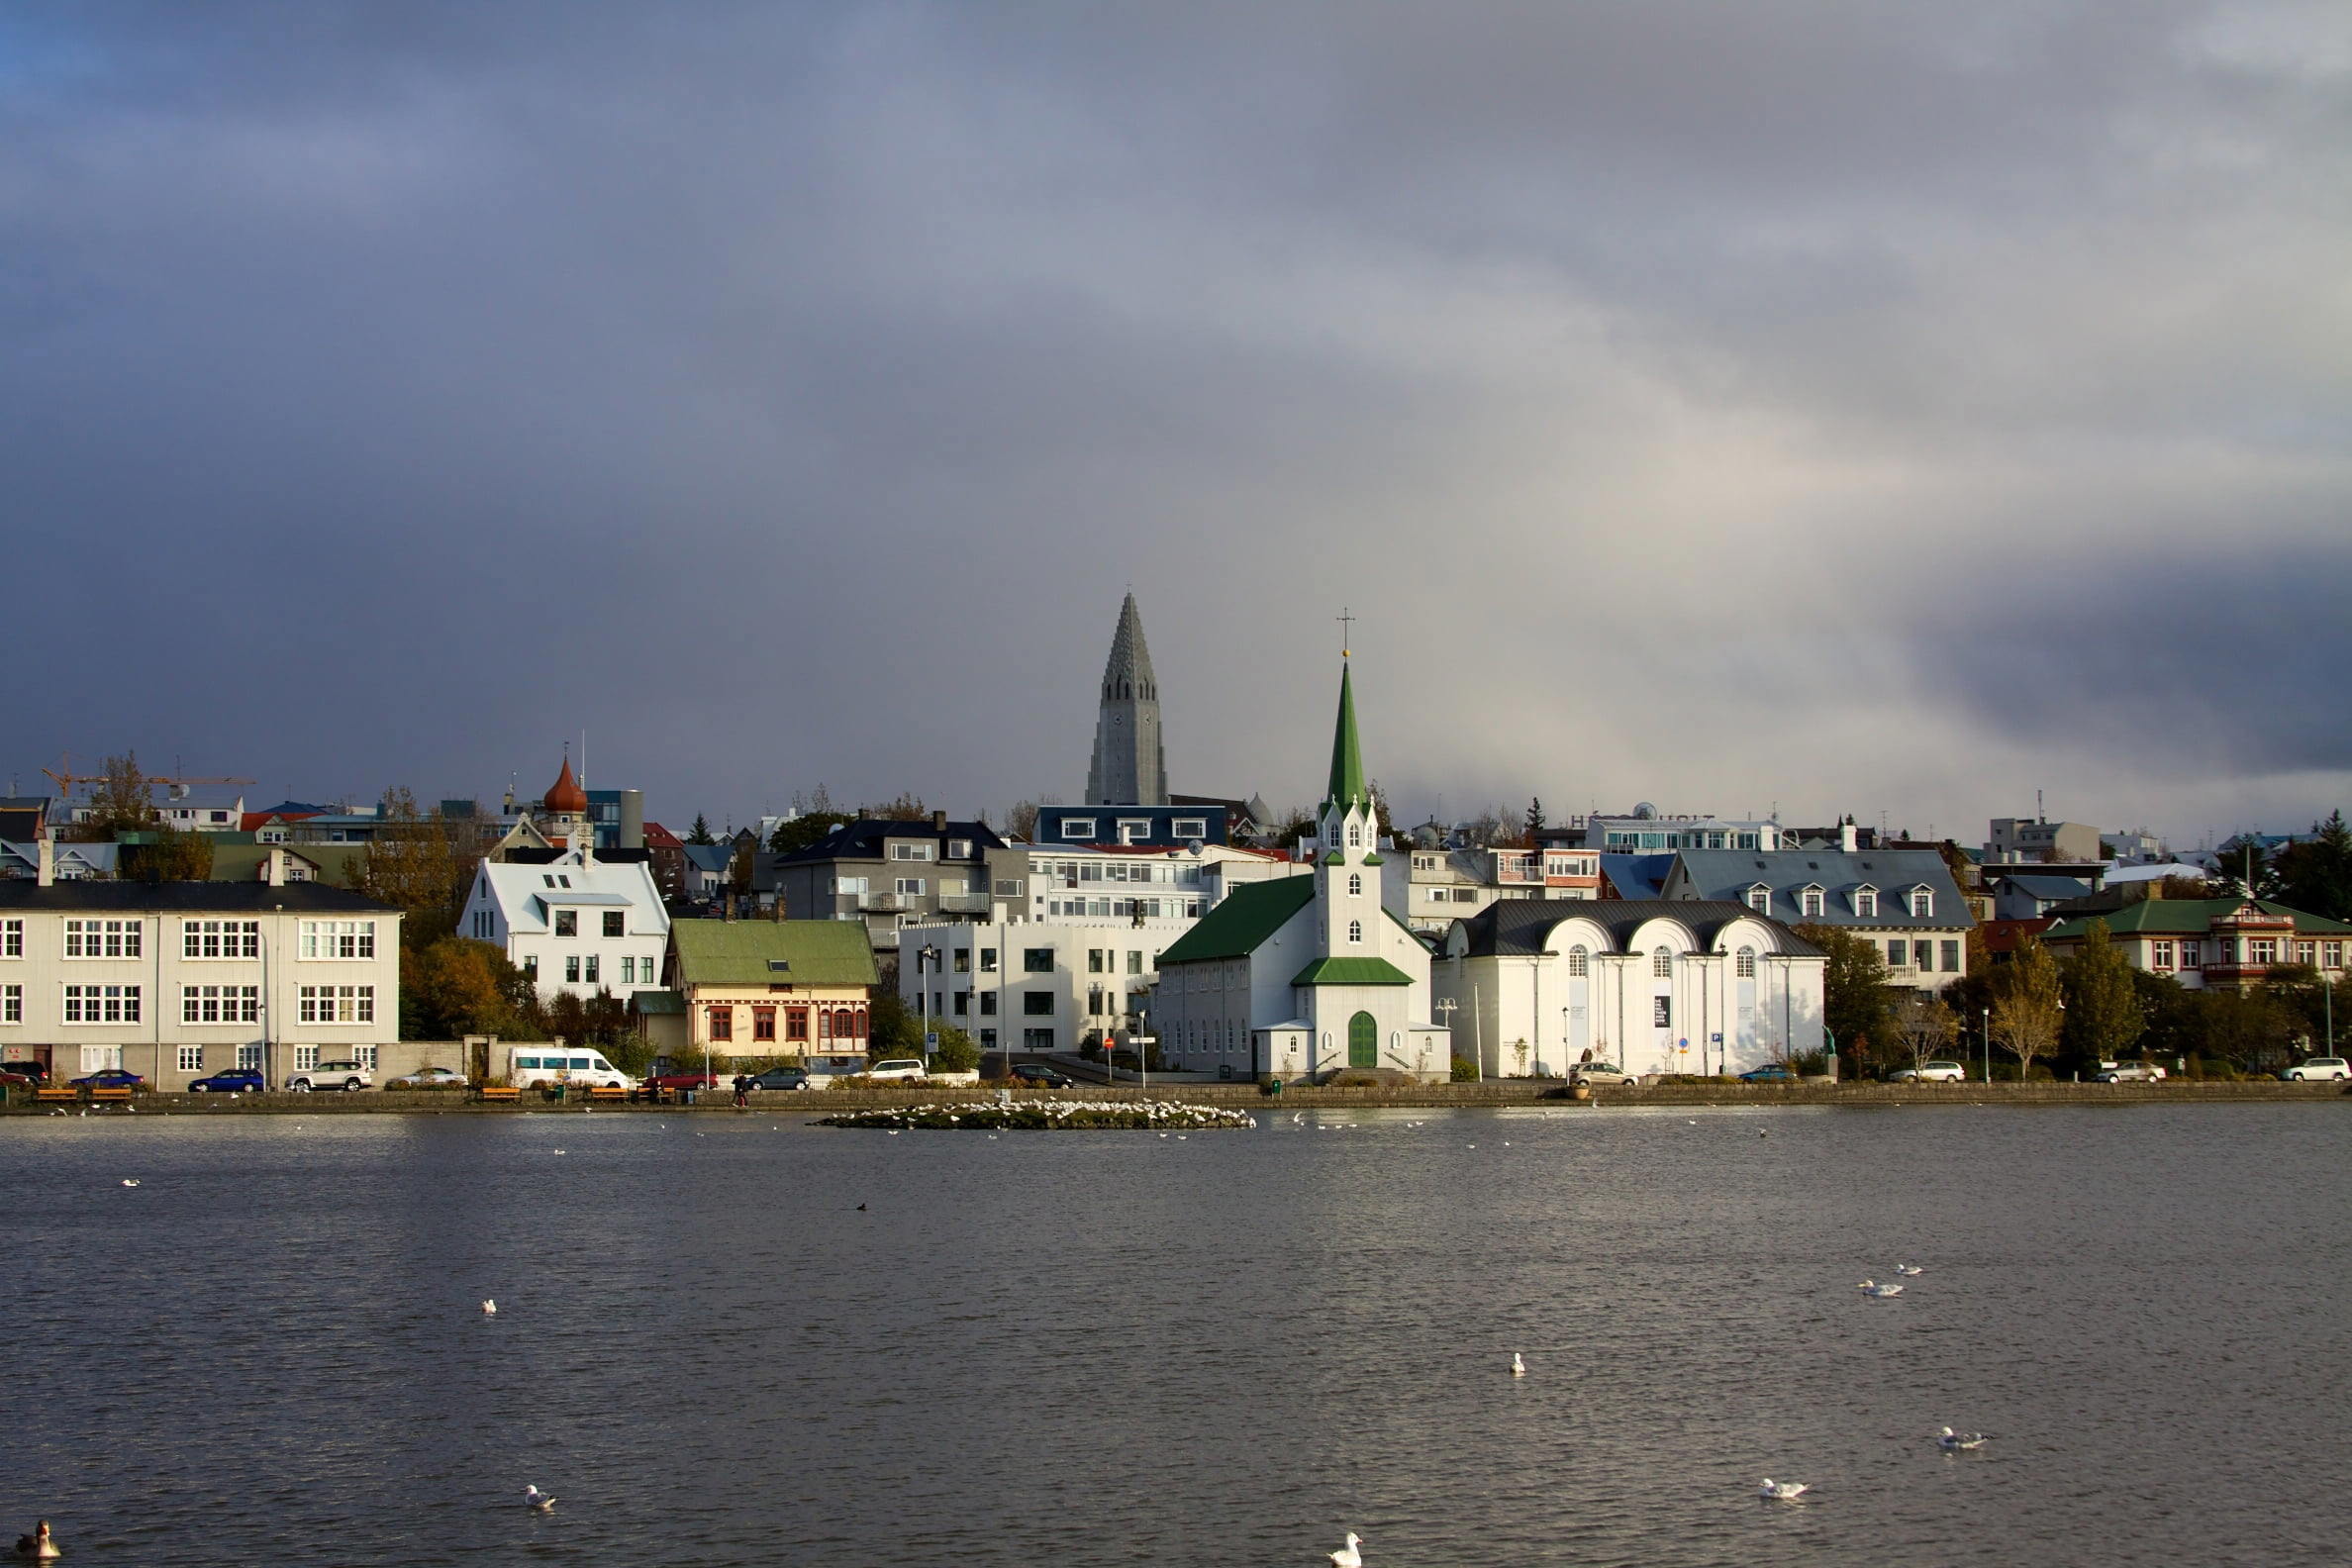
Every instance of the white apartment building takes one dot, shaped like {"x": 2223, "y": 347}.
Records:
{"x": 574, "y": 923}
{"x": 178, "y": 980}
{"x": 1429, "y": 889}
{"x": 1113, "y": 882}
{"x": 1036, "y": 985}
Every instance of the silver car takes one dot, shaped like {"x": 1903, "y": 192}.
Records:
{"x": 1602, "y": 1073}
{"x": 331, "y": 1075}
{"x": 2317, "y": 1070}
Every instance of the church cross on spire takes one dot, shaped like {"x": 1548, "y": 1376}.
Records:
{"x": 1346, "y": 626}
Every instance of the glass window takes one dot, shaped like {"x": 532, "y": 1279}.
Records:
{"x": 191, "y": 1059}
{"x": 1036, "y": 1002}
{"x": 567, "y": 922}
{"x": 1866, "y": 902}
{"x": 1922, "y": 902}
{"x": 337, "y": 938}
{"x": 616, "y": 923}
{"x": 571, "y": 969}
{"x": 101, "y": 1003}
{"x": 1355, "y": 930}
{"x": 988, "y": 1005}
{"x": 12, "y": 1004}
{"x": 219, "y": 938}
{"x": 1036, "y": 960}
{"x": 1662, "y": 964}
{"x": 1355, "y": 884}
{"x": 1094, "y": 960}
{"x": 12, "y": 938}
{"x": 1760, "y": 900}
{"x": 590, "y": 968}
{"x": 763, "y": 1022}
{"x": 1897, "y": 953}
{"x": 1134, "y": 961}
{"x": 721, "y": 1022}
{"x": 963, "y": 960}
{"x": 102, "y": 938}
{"x": 1951, "y": 957}
{"x": 1813, "y": 903}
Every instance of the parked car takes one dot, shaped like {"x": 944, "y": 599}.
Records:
{"x": 904, "y": 1067}
{"x": 111, "y": 1078}
{"x": 2127, "y": 1072}
{"x": 1601, "y": 1072}
{"x": 24, "y": 1072}
{"x": 234, "y": 1080}
{"x": 1932, "y": 1072}
{"x": 2318, "y": 1068}
{"x": 1775, "y": 1073}
{"x": 781, "y": 1078}
{"x": 429, "y": 1078}
{"x": 331, "y": 1075}
{"x": 1042, "y": 1076}
{"x": 684, "y": 1080}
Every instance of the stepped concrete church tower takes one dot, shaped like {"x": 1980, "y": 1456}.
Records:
{"x": 1128, "y": 769}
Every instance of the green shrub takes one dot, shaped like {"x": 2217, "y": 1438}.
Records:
{"x": 1464, "y": 1070}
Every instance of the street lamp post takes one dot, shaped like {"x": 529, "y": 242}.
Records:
{"x": 927, "y": 959}
{"x": 1444, "y": 1006}
{"x": 1985, "y": 1018}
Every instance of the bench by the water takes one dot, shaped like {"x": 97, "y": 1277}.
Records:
{"x": 104, "y": 1094}
{"x": 49, "y": 1096}
{"x": 505, "y": 1093}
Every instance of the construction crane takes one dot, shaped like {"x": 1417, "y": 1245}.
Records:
{"x": 63, "y": 776}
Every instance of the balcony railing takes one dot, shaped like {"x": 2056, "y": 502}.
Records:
{"x": 965, "y": 903}
{"x": 884, "y": 902}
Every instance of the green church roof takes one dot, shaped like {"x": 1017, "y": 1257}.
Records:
{"x": 1236, "y": 928}
{"x": 1351, "y": 972}
{"x": 1347, "y": 786}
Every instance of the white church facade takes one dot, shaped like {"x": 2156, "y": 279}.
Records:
{"x": 1304, "y": 977}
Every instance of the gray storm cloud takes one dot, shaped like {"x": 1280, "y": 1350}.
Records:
{"x": 1815, "y": 405}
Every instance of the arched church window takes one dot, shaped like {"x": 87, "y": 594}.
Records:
{"x": 1662, "y": 964}
{"x": 1747, "y": 967}
{"x": 1355, "y": 930}
{"x": 1580, "y": 962}
{"x": 1332, "y": 835}
{"x": 1355, "y": 836}
{"x": 1355, "y": 885}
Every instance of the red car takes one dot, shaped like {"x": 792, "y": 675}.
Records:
{"x": 685, "y": 1080}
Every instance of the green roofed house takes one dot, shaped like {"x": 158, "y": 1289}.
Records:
{"x": 2213, "y": 944}
{"x": 763, "y": 989}
{"x": 1301, "y": 977}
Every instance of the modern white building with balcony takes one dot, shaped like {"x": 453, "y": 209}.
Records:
{"x": 1430, "y": 889}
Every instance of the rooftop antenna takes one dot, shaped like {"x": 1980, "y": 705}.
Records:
{"x": 2039, "y": 815}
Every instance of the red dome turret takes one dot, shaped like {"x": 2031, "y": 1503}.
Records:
{"x": 565, "y": 797}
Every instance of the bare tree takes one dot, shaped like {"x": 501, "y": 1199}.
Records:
{"x": 1924, "y": 1023}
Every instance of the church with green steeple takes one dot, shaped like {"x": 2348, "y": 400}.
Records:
{"x": 1305, "y": 976}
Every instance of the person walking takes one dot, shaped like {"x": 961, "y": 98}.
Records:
{"x": 743, "y": 1088}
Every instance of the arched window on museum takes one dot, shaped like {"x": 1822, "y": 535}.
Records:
{"x": 1580, "y": 962}
{"x": 1355, "y": 930}
{"x": 1746, "y": 966}
{"x": 1662, "y": 964}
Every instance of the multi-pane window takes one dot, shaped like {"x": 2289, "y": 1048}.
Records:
{"x": 2334, "y": 952}
{"x": 616, "y": 923}
{"x": 913, "y": 852}
{"x": 191, "y": 1059}
{"x": 1898, "y": 952}
{"x": 2307, "y": 953}
{"x": 911, "y": 887}
{"x": 1355, "y": 884}
{"x": 988, "y": 961}
{"x": 1134, "y": 961}
{"x": 629, "y": 968}
{"x": 1866, "y": 902}
{"x": 2262, "y": 949}
{"x": 1759, "y": 898}
{"x": 567, "y": 922}
{"x": 1951, "y": 957}
{"x": 12, "y": 938}
{"x": 339, "y": 939}
{"x": 1094, "y": 960}
{"x": 571, "y": 969}
{"x": 365, "y": 1056}
{"x": 1580, "y": 964}
{"x": 988, "y": 1005}
{"x": 98, "y": 1058}
{"x": 722, "y": 1023}
{"x": 2160, "y": 955}
{"x": 796, "y": 1024}
{"x": 1813, "y": 903}
{"x": 592, "y": 968}
{"x": 219, "y": 1004}
{"x": 249, "y": 1057}
{"x": 2192, "y": 953}
{"x": 102, "y": 1004}
{"x": 1922, "y": 902}
{"x": 326, "y": 1003}
{"x": 1355, "y": 930}
{"x": 306, "y": 1058}
{"x": 763, "y": 1022}
{"x": 12, "y": 1004}
{"x": 102, "y": 938}
{"x": 1745, "y": 966}
{"x": 220, "y": 938}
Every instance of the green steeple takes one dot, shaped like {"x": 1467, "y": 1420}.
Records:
{"x": 1347, "y": 757}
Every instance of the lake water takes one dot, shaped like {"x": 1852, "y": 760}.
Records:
{"x": 1114, "y": 1348}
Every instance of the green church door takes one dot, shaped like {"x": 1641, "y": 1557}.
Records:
{"x": 1363, "y": 1041}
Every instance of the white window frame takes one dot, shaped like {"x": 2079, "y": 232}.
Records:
{"x": 914, "y": 851}
{"x": 306, "y": 1058}
{"x": 87, "y": 1004}
{"x": 113, "y": 938}
{"x": 12, "y": 1004}
{"x": 190, "y": 1058}
{"x": 1078, "y": 829}
{"x": 1866, "y": 902}
{"x": 1808, "y": 903}
{"x": 1355, "y": 930}
{"x": 912, "y": 886}
{"x": 12, "y": 938}
{"x": 1189, "y": 828}
{"x": 1922, "y": 902}
{"x": 1759, "y": 898}
{"x": 1744, "y": 965}
{"x": 330, "y": 1004}
{"x": 209, "y": 941}
{"x": 337, "y": 942}
{"x": 1580, "y": 962}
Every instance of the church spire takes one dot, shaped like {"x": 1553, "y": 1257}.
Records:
{"x": 1128, "y": 767}
{"x": 1347, "y": 786}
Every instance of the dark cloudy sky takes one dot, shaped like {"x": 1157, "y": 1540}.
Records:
{"x": 1853, "y": 407}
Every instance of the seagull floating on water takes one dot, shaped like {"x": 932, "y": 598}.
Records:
{"x": 1874, "y": 1288}
{"x": 39, "y": 1546}
{"x": 1348, "y": 1556}
{"x": 1519, "y": 1368}
{"x": 1951, "y": 1442}
{"x": 1908, "y": 1269}
{"x": 1781, "y": 1491}
{"x": 130, "y": 1181}
{"x": 489, "y": 1307}
{"x": 536, "y": 1500}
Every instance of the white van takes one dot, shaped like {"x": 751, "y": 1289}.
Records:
{"x": 531, "y": 1065}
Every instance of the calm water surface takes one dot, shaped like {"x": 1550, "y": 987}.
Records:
{"x": 1081, "y": 1348}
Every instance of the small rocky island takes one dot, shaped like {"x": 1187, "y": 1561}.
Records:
{"x": 1046, "y": 1115}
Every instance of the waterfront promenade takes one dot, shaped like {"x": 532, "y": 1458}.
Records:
{"x": 1486, "y": 1096}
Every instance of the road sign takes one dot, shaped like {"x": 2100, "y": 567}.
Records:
{"x": 1716, "y": 1039}
{"x": 930, "y": 1041}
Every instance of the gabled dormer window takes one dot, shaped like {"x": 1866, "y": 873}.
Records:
{"x": 1922, "y": 902}
{"x": 1809, "y": 899}
{"x": 1759, "y": 898}
{"x": 1866, "y": 901}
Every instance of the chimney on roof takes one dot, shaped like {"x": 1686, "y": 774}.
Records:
{"x": 632, "y": 819}
{"x": 938, "y": 822}
{"x": 47, "y": 866}
{"x": 1848, "y": 837}
{"x": 273, "y": 868}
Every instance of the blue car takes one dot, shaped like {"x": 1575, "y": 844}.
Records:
{"x": 1772, "y": 1074}
{"x": 237, "y": 1080}
{"x": 110, "y": 1078}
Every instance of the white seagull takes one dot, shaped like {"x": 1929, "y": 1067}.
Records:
{"x": 1951, "y": 1442}
{"x": 1519, "y": 1368}
{"x": 1873, "y": 1288}
{"x": 1348, "y": 1556}
{"x": 536, "y": 1500}
{"x": 128, "y": 1181}
{"x": 489, "y": 1309}
{"x": 1907, "y": 1270}
{"x": 1781, "y": 1491}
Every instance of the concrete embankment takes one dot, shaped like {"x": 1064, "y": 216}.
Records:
{"x": 1247, "y": 1097}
